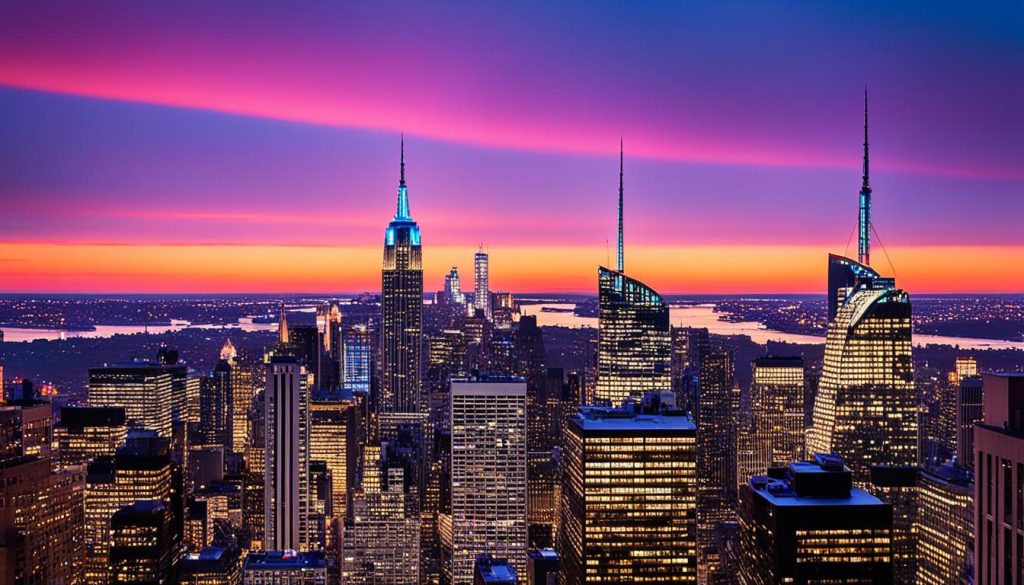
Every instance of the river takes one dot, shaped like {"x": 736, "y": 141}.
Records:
{"x": 704, "y": 315}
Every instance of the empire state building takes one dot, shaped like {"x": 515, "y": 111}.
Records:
{"x": 401, "y": 309}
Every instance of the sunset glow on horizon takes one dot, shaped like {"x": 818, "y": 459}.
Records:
{"x": 227, "y": 148}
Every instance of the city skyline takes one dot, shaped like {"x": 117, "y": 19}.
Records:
{"x": 140, "y": 169}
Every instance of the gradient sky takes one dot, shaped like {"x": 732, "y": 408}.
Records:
{"x": 233, "y": 147}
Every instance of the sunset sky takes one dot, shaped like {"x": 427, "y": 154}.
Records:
{"x": 248, "y": 147}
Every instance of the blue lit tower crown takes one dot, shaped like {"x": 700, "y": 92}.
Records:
{"x": 401, "y": 309}
{"x": 634, "y": 341}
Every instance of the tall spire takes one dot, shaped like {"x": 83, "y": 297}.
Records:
{"x": 282, "y": 326}
{"x": 864, "y": 214}
{"x": 620, "y": 258}
{"x": 403, "y": 195}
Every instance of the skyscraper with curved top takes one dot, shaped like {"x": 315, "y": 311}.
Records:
{"x": 634, "y": 342}
{"x": 401, "y": 305}
{"x": 865, "y": 407}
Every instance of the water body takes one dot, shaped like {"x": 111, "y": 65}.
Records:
{"x": 103, "y": 331}
{"x": 704, "y": 315}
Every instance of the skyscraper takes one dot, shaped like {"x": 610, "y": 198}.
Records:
{"x": 945, "y": 526}
{"x": 287, "y": 463}
{"x": 969, "y": 399}
{"x": 143, "y": 390}
{"x": 356, "y": 377}
{"x": 999, "y": 481}
{"x": 809, "y": 524}
{"x": 481, "y": 283}
{"x": 87, "y": 432}
{"x": 716, "y": 454}
{"x": 775, "y": 434}
{"x": 144, "y": 545}
{"x": 488, "y": 475}
{"x": 629, "y": 497}
{"x": 401, "y": 305}
{"x": 453, "y": 287}
{"x": 866, "y": 407}
{"x": 634, "y": 341}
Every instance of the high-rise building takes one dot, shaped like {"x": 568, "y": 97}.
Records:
{"x": 144, "y": 545}
{"x": 142, "y": 469}
{"x": 809, "y": 524}
{"x": 629, "y": 496}
{"x": 481, "y": 283}
{"x": 716, "y": 457}
{"x": 401, "y": 305}
{"x": 488, "y": 473}
{"x": 491, "y": 571}
{"x": 143, "y": 390}
{"x": 776, "y": 414}
{"x": 964, "y": 366}
{"x": 215, "y": 424}
{"x": 969, "y": 399}
{"x": 41, "y": 511}
{"x": 866, "y": 405}
{"x": 999, "y": 481}
{"x": 357, "y": 360}
{"x": 381, "y": 543}
{"x": 945, "y": 526}
{"x": 453, "y": 287}
{"x": 286, "y": 487}
{"x": 87, "y": 432}
{"x": 634, "y": 341}
{"x": 332, "y": 440}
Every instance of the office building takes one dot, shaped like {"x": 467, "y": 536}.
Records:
{"x": 212, "y": 566}
{"x": 144, "y": 546}
{"x": 357, "y": 360}
{"x": 716, "y": 453}
{"x": 401, "y": 304}
{"x": 491, "y": 571}
{"x": 141, "y": 470}
{"x": 866, "y": 406}
{"x": 634, "y": 342}
{"x": 808, "y": 524}
{"x": 87, "y": 432}
{"x": 481, "y": 283}
{"x": 215, "y": 424}
{"x": 629, "y": 496}
{"x": 453, "y": 288}
{"x": 999, "y": 480}
{"x": 286, "y": 567}
{"x": 332, "y": 441}
{"x": 143, "y": 390}
{"x": 969, "y": 404}
{"x": 488, "y": 473}
{"x": 286, "y": 469}
{"x": 41, "y": 513}
{"x": 945, "y": 526}
{"x": 381, "y": 542}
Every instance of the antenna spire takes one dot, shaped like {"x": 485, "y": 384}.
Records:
{"x": 621, "y": 263}
{"x": 402, "y": 175}
{"x": 864, "y": 214}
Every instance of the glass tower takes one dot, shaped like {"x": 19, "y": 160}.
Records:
{"x": 634, "y": 340}
{"x": 401, "y": 304}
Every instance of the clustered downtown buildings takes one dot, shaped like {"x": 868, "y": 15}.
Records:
{"x": 432, "y": 443}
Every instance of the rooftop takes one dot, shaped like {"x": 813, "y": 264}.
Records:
{"x": 603, "y": 418}
{"x": 285, "y": 559}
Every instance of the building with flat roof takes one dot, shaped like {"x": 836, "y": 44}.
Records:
{"x": 628, "y": 508}
{"x": 212, "y": 566}
{"x": 144, "y": 391}
{"x": 945, "y": 526}
{"x": 999, "y": 480}
{"x": 491, "y": 571}
{"x": 488, "y": 472}
{"x": 287, "y": 567}
{"x": 807, "y": 524}
{"x": 542, "y": 566}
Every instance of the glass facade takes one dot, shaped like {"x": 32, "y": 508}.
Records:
{"x": 634, "y": 341}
